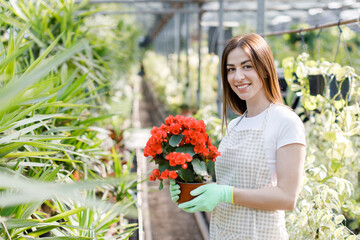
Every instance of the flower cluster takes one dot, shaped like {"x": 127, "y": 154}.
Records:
{"x": 176, "y": 158}
{"x": 164, "y": 175}
{"x": 175, "y": 144}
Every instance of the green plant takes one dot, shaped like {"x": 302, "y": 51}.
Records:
{"x": 51, "y": 83}
{"x": 178, "y": 89}
{"x": 331, "y": 168}
{"x": 182, "y": 150}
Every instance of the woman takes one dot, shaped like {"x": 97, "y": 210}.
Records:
{"x": 260, "y": 170}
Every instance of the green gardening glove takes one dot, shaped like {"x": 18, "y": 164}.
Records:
{"x": 208, "y": 197}
{"x": 174, "y": 190}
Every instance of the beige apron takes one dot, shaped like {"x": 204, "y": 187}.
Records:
{"x": 243, "y": 165}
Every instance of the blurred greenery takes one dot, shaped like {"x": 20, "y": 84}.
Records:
{"x": 319, "y": 45}
{"x": 64, "y": 171}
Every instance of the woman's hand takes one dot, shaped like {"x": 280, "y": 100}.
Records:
{"x": 208, "y": 197}
{"x": 174, "y": 190}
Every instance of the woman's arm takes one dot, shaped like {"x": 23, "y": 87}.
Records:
{"x": 289, "y": 168}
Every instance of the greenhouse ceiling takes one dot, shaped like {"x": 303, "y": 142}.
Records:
{"x": 278, "y": 15}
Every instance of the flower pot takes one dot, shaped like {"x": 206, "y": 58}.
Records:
{"x": 317, "y": 84}
{"x": 185, "y": 189}
{"x": 344, "y": 88}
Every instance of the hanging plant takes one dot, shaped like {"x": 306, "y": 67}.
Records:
{"x": 340, "y": 80}
{"x": 323, "y": 78}
{"x": 331, "y": 190}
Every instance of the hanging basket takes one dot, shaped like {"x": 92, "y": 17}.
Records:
{"x": 344, "y": 88}
{"x": 317, "y": 84}
{"x": 185, "y": 189}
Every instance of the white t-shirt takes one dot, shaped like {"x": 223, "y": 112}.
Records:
{"x": 283, "y": 127}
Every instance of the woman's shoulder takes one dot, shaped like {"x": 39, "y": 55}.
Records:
{"x": 286, "y": 126}
{"x": 284, "y": 113}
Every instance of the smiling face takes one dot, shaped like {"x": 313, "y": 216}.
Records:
{"x": 243, "y": 78}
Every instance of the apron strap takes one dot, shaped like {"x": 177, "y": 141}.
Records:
{"x": 241, "y": 117}
{"x": 264, "y": 122}
{"x": 266, "y": 117}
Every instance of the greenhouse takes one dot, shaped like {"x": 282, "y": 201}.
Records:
{"x": 111, "y": 109}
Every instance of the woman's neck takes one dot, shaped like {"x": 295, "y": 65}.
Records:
{"x": 257, "y": 107}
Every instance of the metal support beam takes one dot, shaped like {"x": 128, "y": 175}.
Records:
{"x": 233, "y": 9}
{"x": 177, "y": 40}
{"x": 198, "y": 93}
{"x": 220, "y": 47}
{"x": 164, "y": 20}
{"x": 260, "y": 23}
{"x": 187, "y": 44}
{"x": 144, "y": 1}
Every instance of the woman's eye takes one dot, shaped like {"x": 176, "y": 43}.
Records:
{"x": 230, "y": 69}
{"x": 247, "y": 66}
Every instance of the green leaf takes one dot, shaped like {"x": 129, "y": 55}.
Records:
{"x": 44, "y": 54}
{"x": 64, "y": 214}
{"x": 9, "y": 72}
{"x": 186, "y": 149}
{"x": 90, "y": 121}
{"x": 352, "y": 237}
{"x": 165, "y": 165}
{"x": 330, "y": 136}
{"x": 187, "y": 175}
{"x": 175, "y": 140}
{"x": 63, "y": 238}
{"x": 199, "y": 167}
{"x": 161, "y": 186}
{"x": 10, "y": 93}
{"x": 27, "y": 154}
{"x": 20, "y": 223}
{"x": 72, "y": 87}
{"x": 339, "y": 219}
{"x": 36, "y": 118}
{"x": 9, "y": 148}
{"x": 61, "y": 159}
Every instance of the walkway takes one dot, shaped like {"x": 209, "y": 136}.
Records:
{"x": 160, "y": 218}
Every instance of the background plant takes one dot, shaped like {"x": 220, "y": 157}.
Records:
{"x": 177, "y": 89}
{"x": 54, "y": 76}
{"x": 331, "y": 191}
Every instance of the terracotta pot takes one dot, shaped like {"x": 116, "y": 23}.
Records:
{"x": 185, "y": 189}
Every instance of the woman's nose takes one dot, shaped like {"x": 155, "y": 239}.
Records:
{"x": 239, "y": 75}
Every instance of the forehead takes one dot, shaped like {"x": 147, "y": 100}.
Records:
{"x": 236, "y": 56}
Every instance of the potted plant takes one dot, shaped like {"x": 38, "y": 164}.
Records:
{"x": 340, "y": 79}
{"x": 181, "y": 149}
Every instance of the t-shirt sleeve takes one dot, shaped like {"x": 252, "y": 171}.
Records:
{"x": 291, "y": 131}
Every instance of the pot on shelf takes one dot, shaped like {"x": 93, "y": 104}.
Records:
{"x": 344, "y": 88}
{"x": 316, "y": 84}
{"x": 185, "y": 189}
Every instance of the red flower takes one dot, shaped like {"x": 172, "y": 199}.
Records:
{"x": 171, "y": 157}
{"x": 156, "y": 172}
{"x": 173, "y": 175}
{"x": 164, "y": 174}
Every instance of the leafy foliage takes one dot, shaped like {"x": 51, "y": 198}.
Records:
{"x": 55, "y": 169}
{"x": 327, "y": 205}
{"x": 177, "y": 88}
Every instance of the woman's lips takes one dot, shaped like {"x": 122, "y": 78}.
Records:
{"x": 242, "y": 86}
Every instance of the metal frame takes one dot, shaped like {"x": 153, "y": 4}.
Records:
{"x": 176, "y": 7}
